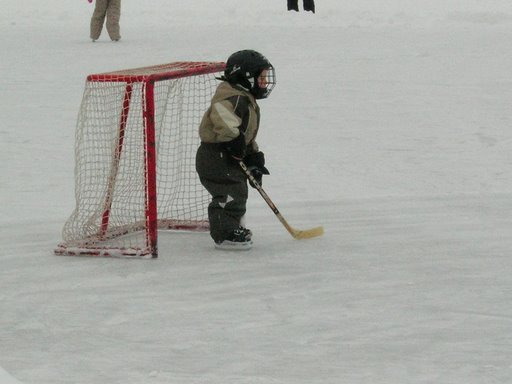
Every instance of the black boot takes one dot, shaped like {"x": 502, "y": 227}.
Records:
{"x": 309, "y": 5}
{"x": 293, "y": 5}
{"x": 238, "y": 240}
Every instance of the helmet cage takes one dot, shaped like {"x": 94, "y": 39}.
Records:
{"x": 257, "y": 90}
{"x": 243, "y": 68}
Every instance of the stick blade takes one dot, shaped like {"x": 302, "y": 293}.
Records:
{"x": 308, "y": 233}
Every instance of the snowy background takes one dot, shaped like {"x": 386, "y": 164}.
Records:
{"x": 390, "y": 126}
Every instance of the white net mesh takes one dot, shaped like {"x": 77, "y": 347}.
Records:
{"x": 110, "y": 214}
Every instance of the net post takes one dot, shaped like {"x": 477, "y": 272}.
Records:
{"x": 117, "y": 158}
{"x": 150, "y": 168}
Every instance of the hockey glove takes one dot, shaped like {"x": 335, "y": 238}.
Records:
{"x": 256, "y": 164}
{"x": 258, "y": 176}
{"x": 236, "y": 147}
{"x": 309, "y": 5}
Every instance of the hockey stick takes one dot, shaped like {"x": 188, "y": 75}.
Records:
{"x": 296, "y": 233}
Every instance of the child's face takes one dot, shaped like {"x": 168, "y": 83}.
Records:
{"x": 262, "y": 79}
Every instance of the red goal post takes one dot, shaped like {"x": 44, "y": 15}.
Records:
{"x": 136, "y": 138}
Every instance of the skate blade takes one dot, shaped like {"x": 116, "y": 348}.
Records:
{"x": 227, "y": 245}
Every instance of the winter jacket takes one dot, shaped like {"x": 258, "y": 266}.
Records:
{"x": 232, "y": 110}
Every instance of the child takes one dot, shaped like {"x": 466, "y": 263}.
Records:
{"x": 228, "y": 131}
{"x": 112, "y": 10}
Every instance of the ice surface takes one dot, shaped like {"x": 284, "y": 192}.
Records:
{"x": 389, "y": 126}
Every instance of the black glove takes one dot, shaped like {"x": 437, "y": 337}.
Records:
{"x": 256, "y": 164}
{"x": 258, "y": 176}
{"x": 293, "y": 5}
{"x": 309, "y": 5}
{"x": 236, "y": 147}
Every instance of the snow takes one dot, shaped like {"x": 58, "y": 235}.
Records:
{"x": 389, "y": 126}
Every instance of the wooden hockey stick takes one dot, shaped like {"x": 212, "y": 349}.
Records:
{"x": 296, "y": 233}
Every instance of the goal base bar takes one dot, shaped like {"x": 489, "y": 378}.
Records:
{"x": 63, "y": 250}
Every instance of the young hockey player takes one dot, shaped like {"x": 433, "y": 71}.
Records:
{"x": 228, "y": 131}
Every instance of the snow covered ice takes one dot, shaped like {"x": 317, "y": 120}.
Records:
{"x": 390, "y": 125}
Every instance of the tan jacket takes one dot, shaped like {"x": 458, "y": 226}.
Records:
{"x": 232, "y": 110}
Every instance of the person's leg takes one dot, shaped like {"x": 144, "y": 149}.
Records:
{"x": 226, "y": 209}
{"x": 98, "y": 18}
{"x": 227, "y": 185}
{"x": 309, "y": 5}
{"x": 293, "y": 5}
{"x": 113, "y": 17}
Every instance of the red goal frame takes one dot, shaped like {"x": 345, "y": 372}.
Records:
{"x": 148, "y": 76}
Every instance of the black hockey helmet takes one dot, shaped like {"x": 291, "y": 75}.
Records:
{"x": 244, "y": 67}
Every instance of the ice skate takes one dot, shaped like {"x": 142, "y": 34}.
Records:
{"x": 238, "y": 240}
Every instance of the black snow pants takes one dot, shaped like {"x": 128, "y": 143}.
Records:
{"x": 227, "y": 184}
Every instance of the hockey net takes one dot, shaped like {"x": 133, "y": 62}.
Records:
{"x": 135, "y": 145}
